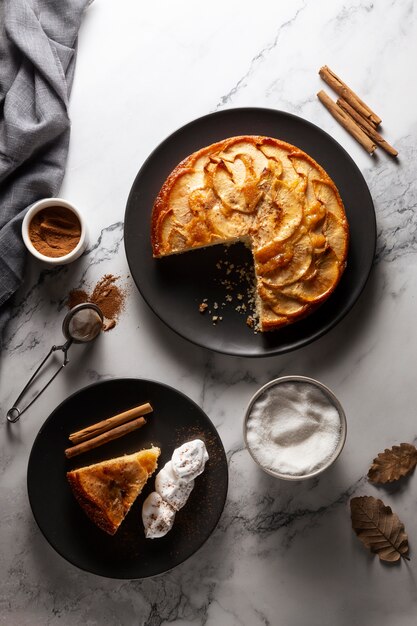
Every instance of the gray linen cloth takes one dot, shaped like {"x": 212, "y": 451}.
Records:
{"x": 37, "y": 60}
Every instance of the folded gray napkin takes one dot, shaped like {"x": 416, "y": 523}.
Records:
{"x": 37, "y": 60}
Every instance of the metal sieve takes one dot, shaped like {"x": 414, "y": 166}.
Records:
{"x": 81, "y": 324}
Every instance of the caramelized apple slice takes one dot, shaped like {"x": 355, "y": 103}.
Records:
{"x": 314, "y": 214}
{"x": 280, "y": 217}
{"x": 335, "y": 232}
{"x": 303, "y": 164}
{"x": 224, "y": 187}
{"x": 275, "y": 169}
{"x": 307, "y": 170}
{"x": 280, "y": 303}
{"x": 277, "y": 274}
{"x": 235, "y": 225}
{"x": 273, "y": 249}
{"x": 259, "y": 161}
{"x": 243, "y": 198}
{"x": 327, "y": 194}
{"x": 318, "y": 242}
{"x": 201, "y": 200}
{"x": 250, "y": 186}
{"x": 270, "y": 320}
{"x": 321, "y": 283}
{"x": 281, "y": 156}
{"x": 179, "y": 196}
{"x": 176, "y": 239}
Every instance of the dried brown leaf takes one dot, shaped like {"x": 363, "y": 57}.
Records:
{"x": 379, "y": 528}
{"x": 393, "y": 464}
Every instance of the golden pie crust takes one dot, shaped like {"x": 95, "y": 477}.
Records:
{"x": 277, "y": 200}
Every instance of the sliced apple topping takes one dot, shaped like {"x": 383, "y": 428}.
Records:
{"x": 275, "y": 273}
{"x": 314, "y": 289}
{"x": 225, "y": 188}
{"x": 290, "y": 204}
{"x": 307, "y": 171}
{"x": 176, "y": 239}
{"x": 327, "y": 194}
{"x": 250, "y": 187}
{"x": 303, "y": 164}
{"x": 274, "y": 169}
{"x": 201, "y": 200}
{"x": 269, "y": 319}
{"x": 280, "y": 303}
{"x": 243, "y": 198}
{"x": 239, "y": 147}
{"x": 318, "y": 242}
{"x": 336, "y": 235}
{"x": 230, "y": 225}
{"x": 179, "y": 196}
{"x": 272, "y": 249}
{"x": 199, "y": 232}
{"x": 313, "y": 214}
{"x": 272, "y": 151}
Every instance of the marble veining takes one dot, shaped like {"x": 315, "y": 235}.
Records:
{"x": 283, "y": 553}
{"x": 257, "y": 59}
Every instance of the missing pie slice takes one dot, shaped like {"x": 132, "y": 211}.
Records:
{"x": 107, "y": 490}
{"x": 271, "y": 196}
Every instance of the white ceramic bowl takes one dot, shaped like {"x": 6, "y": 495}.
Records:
{"x": 330, "y": 395}
{"x": 60, "y": 260}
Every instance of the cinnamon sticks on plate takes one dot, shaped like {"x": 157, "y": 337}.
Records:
{"x": 107, "y": 430}
{"x": 353, "y": 113}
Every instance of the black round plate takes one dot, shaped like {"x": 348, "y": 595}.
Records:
{"x": 174, "y": 286}
{"x": 127, "y": 554}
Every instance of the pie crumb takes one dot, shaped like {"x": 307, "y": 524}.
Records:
{"x": 250, "y": 321}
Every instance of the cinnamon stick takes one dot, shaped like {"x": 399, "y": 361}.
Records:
{"x": 115, "y": 433}
{"x": 350, "y": 96}
{"x": 111, "y": 422}
{"x": 347, "y": 122}
{"x": 367, "y": 127}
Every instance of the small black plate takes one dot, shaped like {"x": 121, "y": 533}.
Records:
{"x": 127, "y": 554}
{"x": 174, "y": 286}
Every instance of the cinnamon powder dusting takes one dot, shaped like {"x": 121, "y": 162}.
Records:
{"x": 106, "y": 294}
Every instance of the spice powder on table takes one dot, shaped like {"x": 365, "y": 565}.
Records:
{"x": 106, "y": 294}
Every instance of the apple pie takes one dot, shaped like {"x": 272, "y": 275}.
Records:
{"x": 107, "y": 490}
{"x": 278, "y": 201}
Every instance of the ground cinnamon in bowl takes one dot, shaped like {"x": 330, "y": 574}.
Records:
{"x": 107, "y": 294}
{"x": 55, "y": 231}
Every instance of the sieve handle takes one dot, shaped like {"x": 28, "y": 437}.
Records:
{"x": 14, "y": 413}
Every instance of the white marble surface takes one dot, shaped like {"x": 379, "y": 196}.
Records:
{"x": 283, "y": 553}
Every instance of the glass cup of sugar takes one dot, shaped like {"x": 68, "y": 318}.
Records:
{"x": 294, "y": 427}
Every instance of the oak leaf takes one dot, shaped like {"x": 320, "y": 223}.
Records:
{"x": 392, "y": 464}
{"x": 379, "y": 528}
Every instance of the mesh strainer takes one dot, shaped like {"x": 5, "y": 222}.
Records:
{"x": 81, "y": 324}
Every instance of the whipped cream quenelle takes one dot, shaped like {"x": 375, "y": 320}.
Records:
{"x": 295, "y": 428}
{"x": 171, "y": 488}
{"x": 173, "y": 485}
{"x": 188, "y": 460}
{"x": 157, "y": 515}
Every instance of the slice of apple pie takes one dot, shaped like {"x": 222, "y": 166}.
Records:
{"x": 275, "y": 198}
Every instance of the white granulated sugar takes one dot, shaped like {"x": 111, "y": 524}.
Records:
{"x": 293, "y": 428}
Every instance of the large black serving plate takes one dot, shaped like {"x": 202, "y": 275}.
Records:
{"x": 127, "y": 554}
{"x": 174, "y": 286}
